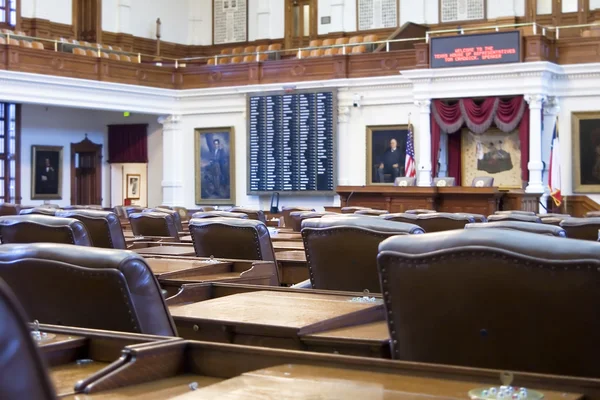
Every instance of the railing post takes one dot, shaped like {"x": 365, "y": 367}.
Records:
{"x": 534, "y": 28}
{"x": 176, "y": 63}
{"x": 56, "y": 45}
{"x": 387, "y": 46}
{"x": 343, "y": 49}
{"x": 139, "y": 58}
{"x": 426, "y": 37}
{"x": 557, "y": 33}
{"x": 257, "y": 56}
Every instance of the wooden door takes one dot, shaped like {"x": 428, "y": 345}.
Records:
{"x": 300, "y": 23}
{"x": 558, "y": 12}
{"x": 86, "y": 173}
{"x": 87, "y": 20}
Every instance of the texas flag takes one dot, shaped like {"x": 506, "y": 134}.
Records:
{"x": 554, "y": 179}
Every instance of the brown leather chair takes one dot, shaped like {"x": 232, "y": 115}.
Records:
{"x": 183, "y": 213}
{"x": 104, "y": 227}
{"x": 553, "y": 219}
{"x": 401, "y": 217}
{"x": 592, "y": 214}
{"x": 439, "y": 222}
{"x": 286, "y": 211}
{"x": 38, "y": 211}
{"x": 419, "y": 211}
{"x": 476, "y": 217}
{"x": 208, "y": 208}
{"x": 473, "y": 298}
{"x": 353, "y": 209}
{"x": 342, "y": 252}
{"x": 22, "y": 370}
{"x": 43, "y": 228}
{"x": 581, "y": 228}
{"x": 86, "y": 287}
{"x": 531, "y": 213}
{"x": 218, "y": 214}
{"x": 514, "y": 217}
{"x": 165, "y": 207}
{"x": 133, "y": 209}
{"x": 258, "y": 215}
{"x": 9, "y": 209}
{"x": 554, "y": 215}
{"x": 371, "y": 212}
{"x": 174, "y": 214}
{"x": 532, "y": 227}
{"x": 154, "y": 224}
{"x": 296, "y": 217}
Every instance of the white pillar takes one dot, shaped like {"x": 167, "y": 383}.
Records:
{"x": 443, "y": 160}
{"x": 535, "y": 166}
{"x": 172, "y": 184}
{"x": 551, "y": 110}
{"x": 424, "y": 155}
{"x": 345, "y": 145}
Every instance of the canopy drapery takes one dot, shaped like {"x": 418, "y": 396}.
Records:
{"x": 128, "y": 143}
{"x": 477, "y": 116}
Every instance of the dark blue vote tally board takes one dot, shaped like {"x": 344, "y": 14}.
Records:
{"x": 291, "y": 143}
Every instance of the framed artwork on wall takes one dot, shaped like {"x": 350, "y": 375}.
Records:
{"x": 386, "y": 153}
{"x": 215, "y": 166}
{"x": 133, "y": 183}
{"x": 585, "y": 131}
{"x": 46, "y": 172}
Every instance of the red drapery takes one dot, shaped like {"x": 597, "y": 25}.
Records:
{"x": 128, "y": 143}
{"x": 506, "y": 114}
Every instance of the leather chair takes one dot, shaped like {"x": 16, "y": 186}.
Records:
{"x": 401, "y": 217}
{"x": 444, "y": 182}
{"x": 39, "y": 211}
{"x": 520, "y": 212}
{"x": 104, "y": 227}
{"x": 371, "y": 212}
{"x": 183, "y": 213}
{"x": 542, "y": 229}
{"x": 286, "y": 211}
{"x": 554, "y": 215}
{"x": 474, "y": 298}
{"x": 165, "y": 207}
{"x": 298, "y": 216}
{"x": 342, "y": 252}
{"x": 91, "y": 288}
{"x": 592, "y": 214}
{"x": 581, "y": 228}
{"x": 257, "y": 215}
{"x": 218, "y": 214}
{"x": 42, "y": 228}
{"x": 133, "y": 209}
{"x": 476, "y": 217}
{"x": 22, "y": 370}
{"x": 208, "y": 208}
{"x": 514, "y": 217}
{"x": 553, "y": 219}
{"x": 483, "y": 181}
{"x": 419, "y": 211}
{"x": 439, "y": 222}
{"x": 353, "y": 209}
{"x": 174, "y": 214}
{"x": 9, "y": 209}
{"x": 120, "y": 211}
{"x": 403, "y": 181}
{"x": 154, "y": 224}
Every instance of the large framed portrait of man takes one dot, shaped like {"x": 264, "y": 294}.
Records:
{"x": 215, "y": 166}
{"x": 46, "y": 172}
{"x": 386, "y": 153}
{"x": 585, "y": 140}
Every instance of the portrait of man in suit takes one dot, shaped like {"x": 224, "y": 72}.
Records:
{"x": 386, "y": 153}
{"x": 215, "y": 168}
{"x": 392, "y": 162}
{"x": 46, "y": 173}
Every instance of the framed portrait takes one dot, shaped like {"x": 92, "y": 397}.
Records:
{"x": 215, "y": 166}
{"x": 46, "y": 172}
{"x": 133, "y": 183}
{"x": 386, "y": 153}
{"x": 586, "y": 151}
{"x": 493, "y": 154}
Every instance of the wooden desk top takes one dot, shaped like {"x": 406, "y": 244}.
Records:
{"x": 167, "y": 251}
{"x": 387, "y": 189}
{"x": 293, "y": 256}
{"x": 375, "y": 332}
{"x": 64, "y": 377}
{"x": 57, "y": 339}
{"x": 163, "y": 265}
{"x": 279, "y": 246}
{"x": 290, "y": 237}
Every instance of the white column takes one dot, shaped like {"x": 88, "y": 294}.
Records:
{"x": 535, "y": 166}
{"x": 345, "y": 173}
{"x": 124, "y": 16}
{"x": 443, "y": 172}
{"x": 172, "y": 184}
{"x": 551, "y": 110}
{"x": 424, "y": 156}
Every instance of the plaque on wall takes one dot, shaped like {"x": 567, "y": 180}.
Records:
{"x": 229, "y": 21}
{"x": 462, "y": 10}
{"x": 377, "y": 14}
{"x": 291, "y": 143}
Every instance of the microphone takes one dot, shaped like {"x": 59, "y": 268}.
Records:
{"x": 348, "y": 199}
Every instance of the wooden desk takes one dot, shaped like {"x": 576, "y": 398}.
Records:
{"x": 386, "y": 197}
{"x": 289, "y": 237}
{"x": 485, "y": 201}
{"x": 286, "y": 246}
{"x": 292, "y": 266}
{"x": 166, "y": 251}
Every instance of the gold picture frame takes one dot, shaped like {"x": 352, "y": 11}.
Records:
{"x": 215, "y": 172}
{"x": 585, "y": 130}
{"x": 133, "y": 186}
{"x": 378, "y": 138}
{"x": 46, "y": 172}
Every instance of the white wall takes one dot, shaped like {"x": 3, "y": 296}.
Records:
{"x": 200, "y": 22}
{"x": 342, "y": 13}
{"x": 57, "y": 126}
{"x": 266, "y": 19}
{"x": 60, "y": 11}
{"x": 118, "y": 173}
{"x": 594, "y": 4}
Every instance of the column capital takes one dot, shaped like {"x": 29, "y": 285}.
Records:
{"x": 343, "y": 114}
{"x": 536, "y": 101}
{"x": 424, "y": 105}
{"x": 169, "y": 121}
{"x": 552, "y": 107}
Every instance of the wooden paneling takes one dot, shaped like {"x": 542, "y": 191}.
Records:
{"x": 308, "y": 69}
{"x": 577, "y": 50}
{"x": 137, "y": 74}
{"x": 380, "y": 63}
{"x": 221, "y": 75}
{"x": 43, "y": 28}
{"x": 578, "y": 206}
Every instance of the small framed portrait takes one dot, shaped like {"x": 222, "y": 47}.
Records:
{"x": 215, "y": 167}
{"x": 133, "y": 183}
{"x": 386, "y": 153}
{"x": 46, "y": 172}
{"x": 586, "y": 151}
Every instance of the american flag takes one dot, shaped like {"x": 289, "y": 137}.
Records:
{"x": 409, "y": 163}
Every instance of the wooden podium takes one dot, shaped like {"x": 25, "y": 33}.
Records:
{"x": 395, "y": 199}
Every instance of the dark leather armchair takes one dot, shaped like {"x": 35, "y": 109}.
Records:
{"x": 419, "y": 211}
{"x": 532, "y": 227}
{"x": 342, "y": 252}
{"x": 371, "y": 212}
{"x": 133, "y": 209}
{"x": 505, "y": 212}
{"x": 183, "y": 213}
{"x": 581, "y": 228}
{"x": 483, "y": 181}
{"x": 174, "y": 214}
{"x": 444, "y": 182}
{"x": 42, "y": 228}
{"x": 439, "y": 222}
{"x": 514, "y": 217}
{"x": 86, "y": 287}
{"x": 154, "y": 224}
{"x": 474, "y": 298}
{"x": 22, "y": 370}
{"x": 218, "y": 214}
{"x": 353, "y": 209}
{"x": 592, "y": 214}
{"x": 286, "y": 211}
{"x": 257, "y": 215}
{"x": 297, "y": 217}
{"x": 401, "y": 217}
{"x": 39, "y": 211}
{"x": 476, "y": 217}
{"x": 403, "y": 181}
{"x": 9, "y": 209}
{"x": 104, "y": 227}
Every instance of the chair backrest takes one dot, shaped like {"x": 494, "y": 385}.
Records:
{"x": 352, "y": 209}
{"x": 493, "y": 301}
{"x": 14, "y": 42}
{"x": 224, "y": 60}
{"x": 401, "y": 217}
{"x": 210, "y": 61}
{"x": 404, "y": 181}
{"x": 250, "y": 49}
{"x": 258, "y": 215}
{"x": 476, "y": 217}
{"x": 342, "y": 40}
{"x": 303, "y": 54}
{"x": 443, "y": 182}
{"x": 226, "y": 51}
{"x": 328, "y": 42}
{"x": 92, "y": 53}
{"x": 236, "y": 238}
{"x": 581, "y": 228}
{"x": 183, "y": 213}
{"x": 22, "y": 369}
{"x": 43, "y": 228}
{"x": 440, "y": 222}
{"x": 532, "y": 227}
{"x": 154, "y": 224}
{"x": 333, "y": 51}
{"x": 316, "y": 53}
{"x": 262, "y": 47}
{"x": 104, "y": 227}
{"x": 371, "y": 212}
{"x": 133, "y": 209}
{"x": 38, "y": 45}
{"x": 26, "y": 44}
{"x": 79, "y": 51}
{"x": 483, "y": 181}
{"x": 38, "y": 211}
{"x": 237, "y": 59}
{"x": 356, "y": 39}
{"x": 125, "y": 58}
{"x": 359, "y": 49}
{"x": 86, "y": 287}
{"x": 514, "y": 217}
{"x": 296, "y": 218}
{"x": 274, "y": 47}
{"x": 113, "y": 56}
{"x": 504, "y": 212}
{"x": 287, "y": 210}
{"x": 174, "y": 214}
{"x": 237, "y": 50}
{"x": 371, "y": 38}
{"x": 9, "y": 209}
{"x": 218, "y": 214}
{"x": 248, "y": 59}
{"x": 2, "y": 40}
{"x": 418, "y": 211}
{"x": 592, "y": 214}
{"x": 315, "y": 43}
{"x": 341, "y": 252}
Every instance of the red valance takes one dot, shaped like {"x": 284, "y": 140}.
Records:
{"x": 128, "y": 143}
{"x": 450, "y": 117}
